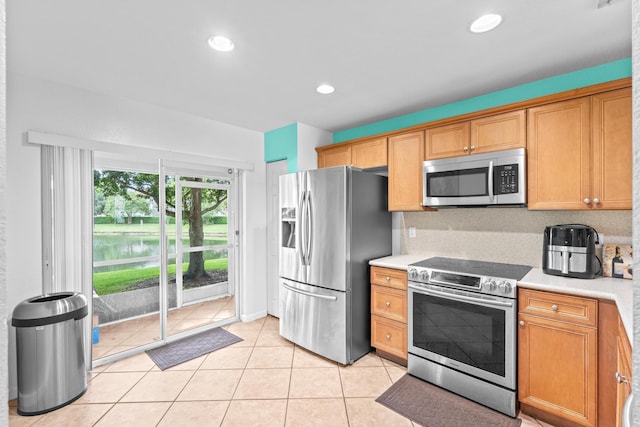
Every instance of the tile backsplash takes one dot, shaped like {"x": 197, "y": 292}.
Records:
{"x": 511, "y": 235}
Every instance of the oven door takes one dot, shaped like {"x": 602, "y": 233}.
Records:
{"x": 469, "y": 332}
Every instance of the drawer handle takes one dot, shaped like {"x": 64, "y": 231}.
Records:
{"x": 621, "y": 379}
{"x": 387, "y": 278}
{"x": 554, "y": 307}
{"x": 521, "y": 323}
{"x": 388, "y": 303}
{"x": 388, "y": 337}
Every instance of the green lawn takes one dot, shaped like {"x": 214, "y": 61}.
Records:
{"x": 153, "y": 228}
{"x": 111, "y": 282}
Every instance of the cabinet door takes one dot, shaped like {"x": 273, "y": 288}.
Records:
{"x": 624, "y": 371}
{"x": 499, "y": 132}
{"x": 611, "y": 144}
{"x": 369, "y": 154}
{"x": 389, "y": 303}
{"x": 557, "y": 368}
{"x": 335, "y": 156}
{"x": 389, "y": 336}
{"x": 389, "y": 277}
{"x": 558, "y": 155}
{"x": 406, "y": 153}
{"x": 447, "y": 141}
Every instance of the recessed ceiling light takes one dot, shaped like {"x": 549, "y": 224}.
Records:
{"x": 221, "y": 43}
{"x": 486, "y": 23}
{"x": 325, "y": 89}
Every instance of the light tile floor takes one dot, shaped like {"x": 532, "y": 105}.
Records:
{"x": 121, "y": 336}
{"x": 262, "y": 381}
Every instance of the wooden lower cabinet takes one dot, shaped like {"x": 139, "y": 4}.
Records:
{"x": 623, "y": 371}
{"x": 558, "y": 357}
{"x": 389, "y": 313}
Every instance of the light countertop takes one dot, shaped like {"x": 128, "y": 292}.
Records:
{"x": 618, "y": 290}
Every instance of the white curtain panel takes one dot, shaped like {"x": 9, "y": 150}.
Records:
{"x": 67, "y": 225}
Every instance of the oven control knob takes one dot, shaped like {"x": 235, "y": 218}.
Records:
{"x": 413, "y": 273}
{"x": 505, "y": 287}
{"x": 490, "y": 285}
{"x": 424, "y": 276}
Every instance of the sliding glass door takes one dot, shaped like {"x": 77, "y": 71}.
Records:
{"x": 164, "y": 247}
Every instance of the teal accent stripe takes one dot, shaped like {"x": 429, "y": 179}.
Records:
{"x": 282, "y": 144}
{"x": 577, "y": 79}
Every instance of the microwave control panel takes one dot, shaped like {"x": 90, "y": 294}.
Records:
{"x": 505, "y": 179}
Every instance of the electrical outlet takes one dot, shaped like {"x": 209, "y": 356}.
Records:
{"x": 412, "y": 232}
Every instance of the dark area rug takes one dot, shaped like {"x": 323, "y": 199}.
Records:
{"x": 431, "y": 406}
{"x": 189, "y": 348}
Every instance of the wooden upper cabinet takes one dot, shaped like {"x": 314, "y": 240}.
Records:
{"x": 447, "y": 141}
{"x": 369, "y": 154}
{"x": 499, "y": 132}
{"x": 484, "y": 135}
{"x": 329, "y": 156}
{"x": 579, "y": 153}
{"x": 363, "y": 154}
{"x": 558, "y": 155}
{"x": 406, "y": 153}
{"x": 611, "y": 150}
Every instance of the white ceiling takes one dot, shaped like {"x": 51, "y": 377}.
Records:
{"x": 385, "y": 58}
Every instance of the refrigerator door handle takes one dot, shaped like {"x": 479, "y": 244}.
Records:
{"x": 300, "y": 248}
{"x": 310, "y": 228}
{"x": 310, "y": 294}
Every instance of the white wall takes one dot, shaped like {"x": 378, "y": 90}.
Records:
{"x": 43, "y": 106}
{"x": 309, "y": 138}
{"x": 635, "y": 13}
{"x": 4, "y": 396}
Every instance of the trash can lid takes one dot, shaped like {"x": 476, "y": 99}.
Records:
{"x": 56, "y": 306}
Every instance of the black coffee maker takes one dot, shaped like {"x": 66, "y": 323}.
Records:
{"x": 570, "y": 250}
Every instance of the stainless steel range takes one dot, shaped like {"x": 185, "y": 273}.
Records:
{"x": 462, "y": 328}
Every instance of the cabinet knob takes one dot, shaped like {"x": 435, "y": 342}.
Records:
{"x": 620, "y": 379}
{"x": 521, "y": 323}
{"x": 465, "y": 149}
{"x": 387, "y": 278}
{"x": 388, "y": 303}
{"x": 587, "y": 200}
{"x": 554, "y": 307}
{"x": 473, "y": 147}
{"x": 596, "y": 200}
{"x": 388, "y": 337}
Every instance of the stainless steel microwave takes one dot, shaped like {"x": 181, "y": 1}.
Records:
{"x": 498, "y": 178}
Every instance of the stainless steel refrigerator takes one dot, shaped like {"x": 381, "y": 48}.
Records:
{"x": 332, "y": 222}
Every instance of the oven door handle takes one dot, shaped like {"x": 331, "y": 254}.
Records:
{"x": 464, "y": 298}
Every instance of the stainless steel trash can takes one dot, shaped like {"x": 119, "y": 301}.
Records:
{"x": 50, "y": 351}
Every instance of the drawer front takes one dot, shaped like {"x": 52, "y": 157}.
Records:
{"x": 561, "y": 307}
{"x": 389, "y": 302}
{"x": 389, "y": 336}
{"x": 389, "y": 277}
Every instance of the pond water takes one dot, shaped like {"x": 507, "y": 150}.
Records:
{"x": 122, "y": 246}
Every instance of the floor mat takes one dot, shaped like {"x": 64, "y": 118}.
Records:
{"x": 189, "y": 348}
{"x": 432, "y": 406}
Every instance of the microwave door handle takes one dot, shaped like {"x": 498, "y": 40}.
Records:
{"x": 490, "y": 181}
